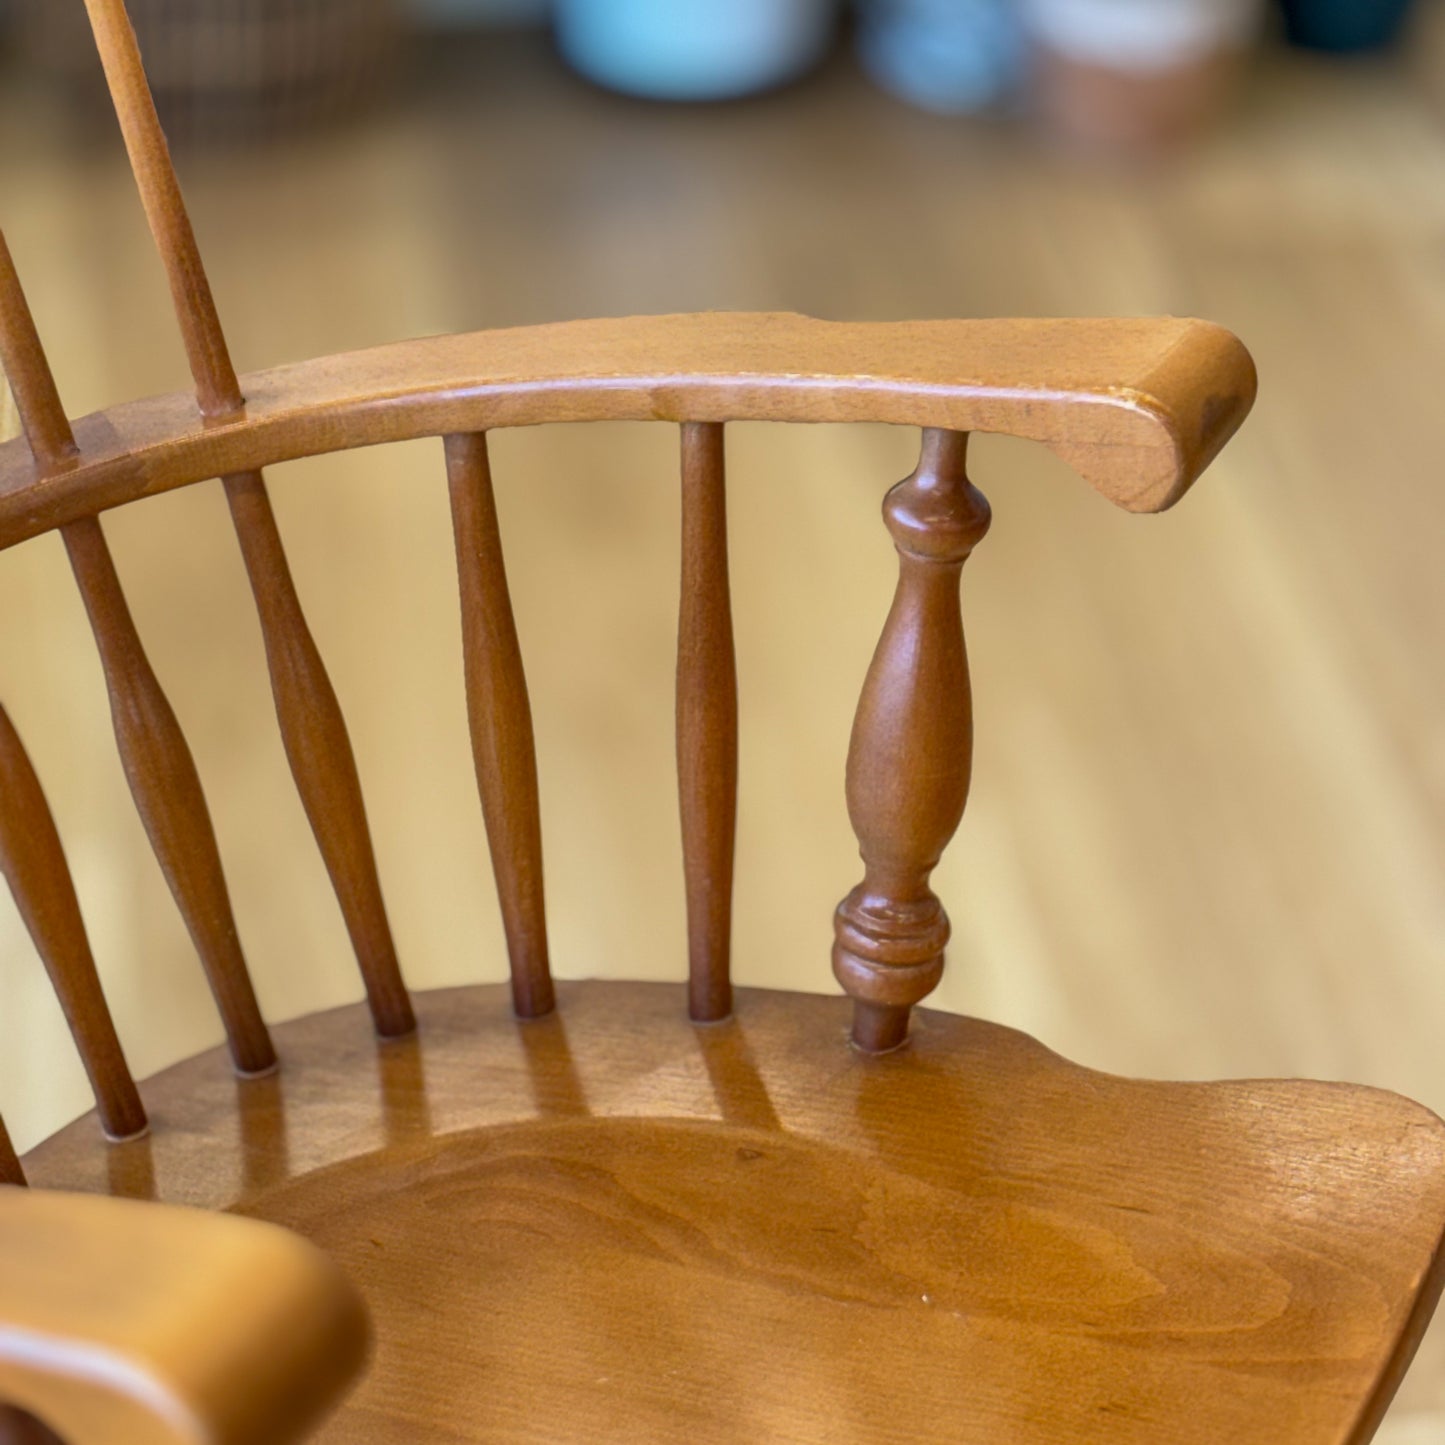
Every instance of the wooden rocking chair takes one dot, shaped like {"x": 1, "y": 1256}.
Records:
{"x": 629, "y": 1212}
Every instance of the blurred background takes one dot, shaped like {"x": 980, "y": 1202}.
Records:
{"x": 1207, "y": 835}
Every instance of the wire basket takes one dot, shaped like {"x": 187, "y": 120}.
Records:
{"x": 234, "y": 70}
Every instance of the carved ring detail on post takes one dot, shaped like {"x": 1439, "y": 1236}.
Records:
{"x": 910, "y": 755}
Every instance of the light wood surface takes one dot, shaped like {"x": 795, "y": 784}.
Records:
{"x": 130, "y": 1324}
{"x": 1207, "y": 835}
{"x": 614, "y": 1223}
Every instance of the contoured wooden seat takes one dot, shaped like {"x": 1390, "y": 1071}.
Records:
{"x": 627, "y": 1212}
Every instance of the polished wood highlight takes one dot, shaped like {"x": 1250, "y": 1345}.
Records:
{"x": 139, "y": 1324}
{"x": 319, "y": 751}
{"x": 749, "y": 1232}
{"x": 707, "y": 722}
{"x": 1138, "y": 407}
{"x": 33, "y": 861}
{"x": 500, "y": 717}
{"x": 168, "y": 795}
{"x": 911, "y": 751}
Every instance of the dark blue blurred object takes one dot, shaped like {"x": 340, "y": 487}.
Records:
{"x": 1344, "y": 25}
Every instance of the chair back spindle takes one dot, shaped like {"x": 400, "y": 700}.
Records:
{"x": 910, "y": 755}
{"x": 707, "y": 722}
{"x": 34, "y": 864}
{"x": 318, "y": 748}
{"x": 154, "y": 753}
{"x": 500, "y": 717}
{"x": 313, "y": 731}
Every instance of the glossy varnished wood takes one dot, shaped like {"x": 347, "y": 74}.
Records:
{"x": 911, "y": 751}
{"x": 313, "y": 731}
{"x": 611, "y": 1222}
{"x": 33, "y": 862}
{"x": 134, "y": 1324}
{"x": 707, "y": 721}
{"x": 168, "y": 795}
{"x": 319, "y": 751}
{"x": 154, "y": 752}
{"x": 500, "y": 716}
{"x": 1138, "y": 407}
{"x": 10, "y": 1170}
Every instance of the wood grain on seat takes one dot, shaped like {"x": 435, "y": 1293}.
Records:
{"x": 612, "y": 1225}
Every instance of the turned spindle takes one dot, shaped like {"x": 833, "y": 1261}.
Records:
{"x": 909, "y": 758}
{"x": 707, "y": 723}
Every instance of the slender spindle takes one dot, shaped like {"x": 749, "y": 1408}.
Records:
{"x": 34, "y": 864}
{"x": 910, "y": 756}
{"x": 313, "y": 731}
{"x": 168, "y": 794}
{"x": 318, "y": 748}
{"x": 501, "y": 722}
{"x": 707, "y": 722}
{"x": 10, "y": 1170}
{"x": 153, "y": 750}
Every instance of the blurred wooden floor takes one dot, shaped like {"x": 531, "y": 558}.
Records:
{"x": 1208, "y": 829}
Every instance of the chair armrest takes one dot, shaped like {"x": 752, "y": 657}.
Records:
{"x": 124, "y": 1323}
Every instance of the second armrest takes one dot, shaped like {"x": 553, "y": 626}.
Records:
{"x": 124, "y": 1323}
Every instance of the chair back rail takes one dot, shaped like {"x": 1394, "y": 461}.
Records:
{"x": 1139, "y": 407}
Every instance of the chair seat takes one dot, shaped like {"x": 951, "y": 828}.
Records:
{"x": 612, "y": 1225}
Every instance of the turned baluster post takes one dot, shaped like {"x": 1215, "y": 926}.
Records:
{"x": 910, "y": 755}
{"x": 313, "y": 730}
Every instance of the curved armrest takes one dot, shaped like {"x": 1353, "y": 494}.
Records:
{"x": 1139, "y": 407}
{"x": 140, "y": 1324}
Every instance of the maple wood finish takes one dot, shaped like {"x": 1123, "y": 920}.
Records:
{"x": 154, "y": 753}
{"x": 317, "y": 745}
{"x": 600, "y": 1219}
{"x": 500, "y": 715}
{"x": 707, "y": 723}
{"x": 35, "y": 867}
{"x": 612, "y": 1224}
{"x": 911, "y": 751}
{"x": 120, "y": 1323}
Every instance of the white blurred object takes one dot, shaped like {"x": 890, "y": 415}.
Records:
{"x": 693, "y": 49}
{"x": 1142, "y": 35}
{"x": 482, "y": 12}
{"x": 950, "y": 56}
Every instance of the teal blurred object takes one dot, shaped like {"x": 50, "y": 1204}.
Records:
{"x": 694, "y": 49}
{"x": 949, "y": 56}
{"x": 1344, "y": 25}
